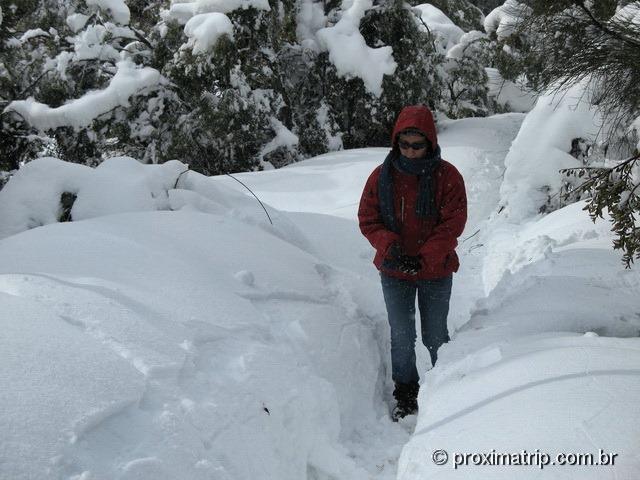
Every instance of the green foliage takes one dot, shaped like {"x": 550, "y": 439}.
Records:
{"x": 615, "y": 190}
{"x": 367, "y": 120}
{"x": 222, "y": 110}
{"x": 466, "y": 81}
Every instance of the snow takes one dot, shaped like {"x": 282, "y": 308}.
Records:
{"x": 514, "y": 96}
{"x": 629, "y": 14}
{"x": 181, "y": 11}
{"x": 127, "y": 82}
{"x": 170, "y": 331}
{"x": 349, "y": 52}
{"x": 116, "y": 8}
{"x": 504, "y": 19}
{"x": 536, "y": 352}
{"x": 541, "y": 149}
{"x": 235, "y": 383}
{"x": 205, "y": 29}
{"x": 563, "y": 379}
{"x": 34, "y": 33}
{"x": 635, "y": 125}
{"x": 77, "y": 21}
{"x": 58, "y": 382}
{"x": 284, "y": 138}
{"x": 334, "y": 141}
{"x": 309, "y": 20}
{"x": 457, "y": 51}
{"x": 446, "y": 32}
{"x": 89, "y": 44}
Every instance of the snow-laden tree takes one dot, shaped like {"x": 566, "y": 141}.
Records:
{"x": 25, "y": 53}
{"x": 559, "y": 44}
{"x": 464, "y": 13}
{"x": 223, "y": 86}
{"x": 365, "y": 114}
{"x": 74, "y": 79}
{"x": 465, "y": 78}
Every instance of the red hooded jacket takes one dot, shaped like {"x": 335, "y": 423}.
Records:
{"x": 433, "y": 240}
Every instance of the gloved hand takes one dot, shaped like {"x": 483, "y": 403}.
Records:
{"x": 409, "y": 264}
{"x": 397, "y": 260}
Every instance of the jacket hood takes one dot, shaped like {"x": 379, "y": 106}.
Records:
{"x": 418, "y": 117}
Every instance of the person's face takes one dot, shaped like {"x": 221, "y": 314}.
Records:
{"x": 407, "y": 141}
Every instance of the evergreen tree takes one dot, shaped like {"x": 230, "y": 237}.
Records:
{"x": 24, "y": 53}
{"x": 466, "y": 93}
{"x": 367, "y": 120}
{"x": 76, "y": 49}
{"x": 260, "y": 94}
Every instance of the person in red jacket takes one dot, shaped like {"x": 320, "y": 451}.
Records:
{"x": 413, "y": 209}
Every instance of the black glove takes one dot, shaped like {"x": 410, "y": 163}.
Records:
{"x": 397, "y": 260}
{"x": 409, "y": 265}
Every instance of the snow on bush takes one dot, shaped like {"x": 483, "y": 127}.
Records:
{"x": 629, "y": 14}
{"x": 77, "y": 21}
{"x": 503, "y": 19}
{"x": 116, "y": 8}
{"x": 310, "y": 19}
{"x": 182, "y": 11}
{"x": 351, "y": 55}
{"x": 127, "y": 82}
{"x": 204, "y": 30}
{"x": 284, "y": 139}
{"x": 446, "y": 32}
{"x": 119, "y": 184}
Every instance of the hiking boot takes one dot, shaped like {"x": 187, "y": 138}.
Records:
{"x": 406, "y": 395}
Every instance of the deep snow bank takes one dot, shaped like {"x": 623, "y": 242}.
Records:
{"x": 174, "y": 344}
{"x": 535, "y": 370}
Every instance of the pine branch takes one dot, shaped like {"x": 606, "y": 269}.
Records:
{"x": 605, "y": 29}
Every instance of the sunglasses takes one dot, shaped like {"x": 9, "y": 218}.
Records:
{"x": 415, "y": 146}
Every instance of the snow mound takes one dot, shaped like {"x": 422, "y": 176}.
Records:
{"x": 173, "y": 332}
{"x": 564, "y": 386}
{"x": 161, "y": 361}
{"x": 536, "y": 372}
{"x": 542, "y": 148}
{"x": 32, "y": 198}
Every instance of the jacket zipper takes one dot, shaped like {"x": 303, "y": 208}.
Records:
{"x": 402, "y": 210}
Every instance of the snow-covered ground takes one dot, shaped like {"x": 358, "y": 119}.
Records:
{"x": 175, "y": 333}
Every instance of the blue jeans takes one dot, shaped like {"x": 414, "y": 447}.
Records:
{"x": 433, "y": 302}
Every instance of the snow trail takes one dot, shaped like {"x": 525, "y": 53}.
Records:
{"x": 477, "y": 147}
{"x": 205, "y": 342}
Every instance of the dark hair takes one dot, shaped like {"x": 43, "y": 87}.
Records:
{"x": 412, "y": 131}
